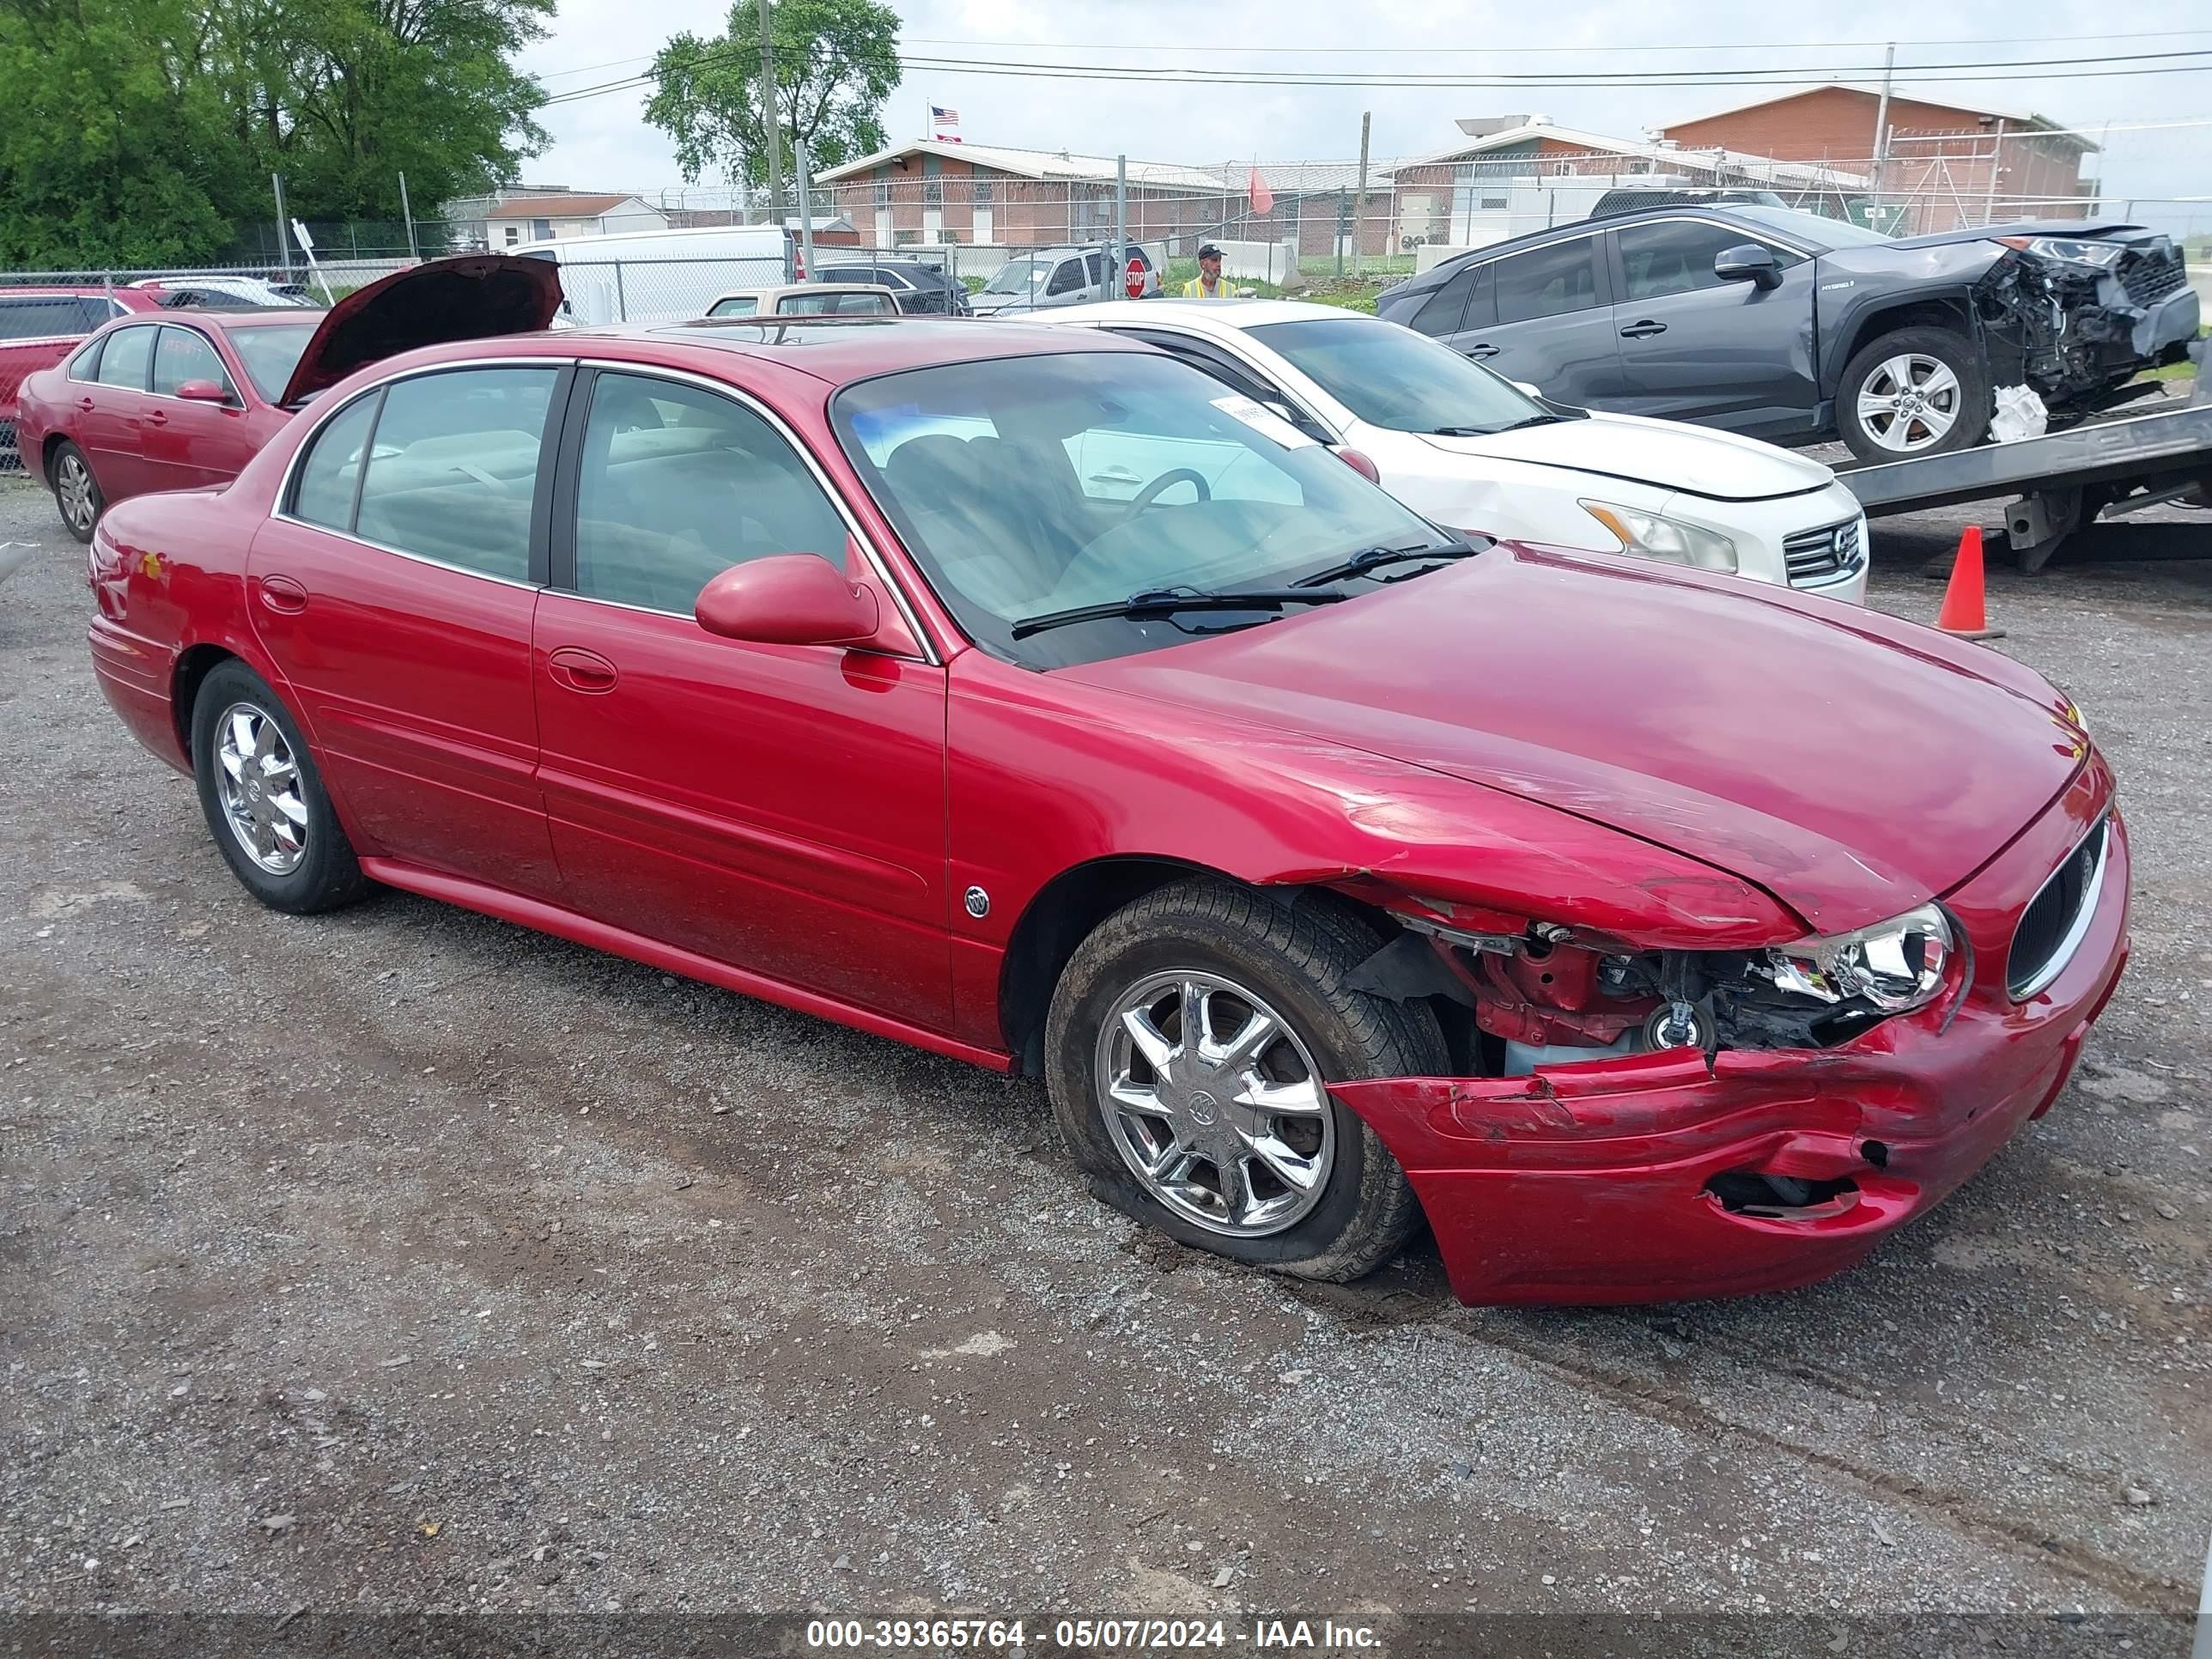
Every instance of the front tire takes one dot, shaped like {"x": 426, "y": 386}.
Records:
{"x": 1913, "y": 393}
{"x": 263, "y": 798}
{"x": 77, "y": 497}
{"x": 1231, "y": 1142}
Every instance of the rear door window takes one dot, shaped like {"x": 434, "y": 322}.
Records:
{"x": 453, "y": 469}
{"x": 1441, "y": 312}
{"x": 1547, "y": 281}
{"x": 324, "y": 494}
{"x": 129, "y": 356}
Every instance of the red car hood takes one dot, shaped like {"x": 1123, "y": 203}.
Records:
{"x": 474, "y": 297}
{"x": 1852, "y": 765}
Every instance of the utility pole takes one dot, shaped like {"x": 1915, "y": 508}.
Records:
{"x": 407, "y": 213}
{"x": 1881, "y": 123}
{"x": 1996, "y": 165}
{"x": 1359, "y": 201}
{"x": 771, "y": 118}
{"x": 283, "y": 247}
{"x": 1120, "y": 259}
{"x": 805, "y": 181}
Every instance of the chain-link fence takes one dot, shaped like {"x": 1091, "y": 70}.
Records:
{"x": 1002, "y": 226}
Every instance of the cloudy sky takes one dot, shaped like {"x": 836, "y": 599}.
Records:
{"x": 603, "y": 141}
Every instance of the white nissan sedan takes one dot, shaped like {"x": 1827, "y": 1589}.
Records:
{"x": 1467, "y": 449}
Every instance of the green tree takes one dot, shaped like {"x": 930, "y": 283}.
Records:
{"x": 113, "y": 153}
{"x": 836, "y": 62}
{"x": 342, "y": 96}
{"x": 144, "y": 131}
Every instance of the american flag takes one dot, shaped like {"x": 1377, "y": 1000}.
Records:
{"x": 941, "y": 119}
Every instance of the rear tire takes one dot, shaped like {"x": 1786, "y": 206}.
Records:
{"x": 263, "y": 798}
{"x": 77, "y": 497}
{"x": 1251, "y": 1159}
{"x": 1917, "y": 392}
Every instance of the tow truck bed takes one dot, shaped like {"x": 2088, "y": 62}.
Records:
{"x": 2063, "y": 480}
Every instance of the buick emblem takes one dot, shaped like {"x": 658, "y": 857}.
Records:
{"x": 1202, "y": 1107}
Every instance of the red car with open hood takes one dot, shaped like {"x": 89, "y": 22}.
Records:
{"x": 1331, "y": 872}
{"x": 172, "y": 399}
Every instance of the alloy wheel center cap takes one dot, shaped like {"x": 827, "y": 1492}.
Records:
{"x": 1203, "y": 1109}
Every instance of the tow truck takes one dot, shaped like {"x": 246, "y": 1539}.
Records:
{"x": 2072, "y": 483}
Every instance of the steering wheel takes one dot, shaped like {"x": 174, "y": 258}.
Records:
{"x": 1158, "y": 487}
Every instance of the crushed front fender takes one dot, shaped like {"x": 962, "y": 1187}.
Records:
{"x": 1609, "y": 1181}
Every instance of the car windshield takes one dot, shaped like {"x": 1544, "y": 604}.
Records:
{"x": 1391, "y": 377}
{"x": 271, "y": 354}
{"x": 1030, "y": 485}
{"x": 1018, "y": 276}
{"x": 1813, "y": 228}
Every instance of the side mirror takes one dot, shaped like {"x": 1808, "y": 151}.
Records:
{"x": 203, "y": 392}
{"x": 790, "y": 598}
{"x": 1749, "y": 263}
{"x": 1528, "y": 388}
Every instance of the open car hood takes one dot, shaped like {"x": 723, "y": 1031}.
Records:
{"x": 477, "y": 296}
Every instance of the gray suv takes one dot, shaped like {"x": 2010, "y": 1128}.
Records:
{"x": 1785, "y": 325}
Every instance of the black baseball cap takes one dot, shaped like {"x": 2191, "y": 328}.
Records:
{"x": 1209, "y": 251}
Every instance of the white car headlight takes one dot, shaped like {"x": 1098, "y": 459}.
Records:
{"x": 1895, "y": 965}
{"x": 1647, "y": 536}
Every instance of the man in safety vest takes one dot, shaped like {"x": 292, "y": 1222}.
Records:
{"x": 1208, "y": 284}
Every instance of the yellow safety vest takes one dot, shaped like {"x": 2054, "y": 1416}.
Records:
{"x": 1196, "y": 288}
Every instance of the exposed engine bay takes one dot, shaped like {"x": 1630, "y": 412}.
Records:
{"x": 2075, "y": 318}
{"x": 1545, "y": 997}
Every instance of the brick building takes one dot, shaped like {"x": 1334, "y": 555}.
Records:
{"x": 929, "y": 193}
{"x": 1515, "y": 173}
{"x": 1949, "y": 164}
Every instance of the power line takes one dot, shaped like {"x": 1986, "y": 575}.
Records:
{"x": 2007, "y": 69}
{"x": 1482, "y": 52}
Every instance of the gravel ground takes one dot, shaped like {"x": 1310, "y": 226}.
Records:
{"x": 402, "y": 1259}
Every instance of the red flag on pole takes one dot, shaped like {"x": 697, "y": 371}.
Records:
{"x": 1263, "y": 199}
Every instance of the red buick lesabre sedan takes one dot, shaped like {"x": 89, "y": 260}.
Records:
{"x": 1649, "y": 934}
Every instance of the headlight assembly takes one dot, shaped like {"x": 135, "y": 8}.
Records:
{"x": 1895, "y": 966}
{"x": 2067, "y": 251}
{"x": 1647, "y": 536}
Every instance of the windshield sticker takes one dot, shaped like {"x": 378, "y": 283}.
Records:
{"x": 1263, "y": 421}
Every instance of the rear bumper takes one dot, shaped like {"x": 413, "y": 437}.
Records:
{"x": 1587, "y": 1183}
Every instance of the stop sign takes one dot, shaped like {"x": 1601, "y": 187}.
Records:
{"x": 1135, "y": 282}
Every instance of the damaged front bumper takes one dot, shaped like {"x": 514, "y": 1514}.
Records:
{"x": 2072, "y": 332}
{"x": 1625, "y": 1179}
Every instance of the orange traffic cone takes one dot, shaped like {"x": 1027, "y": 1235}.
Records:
{"x": 1962, "y": 613}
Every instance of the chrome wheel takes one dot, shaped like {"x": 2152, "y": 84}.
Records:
{"x": 73, "y": 493}
{"x": 1215, "y": 1104}
{"x": 259, "y": 787}
{"x": 1910, "y": 403}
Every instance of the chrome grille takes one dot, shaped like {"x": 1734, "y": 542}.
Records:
{"x": 2149, "y": 278}
{"x": 2052, "y": 927}
{"x": 1822, "y": 555}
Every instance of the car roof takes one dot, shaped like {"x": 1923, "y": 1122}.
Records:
{"x": 780, "y": 289}
{"x": 64, "y": 291}
{"x": 240, "y": 316}
{"x": 836, "y": 350}
{"x": 1219, "y": 313}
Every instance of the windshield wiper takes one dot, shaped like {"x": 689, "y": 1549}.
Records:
{"x": 1163, "y": 601}
{"x": 1372, "y": 558}
{"x": 1492, "y": 431}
